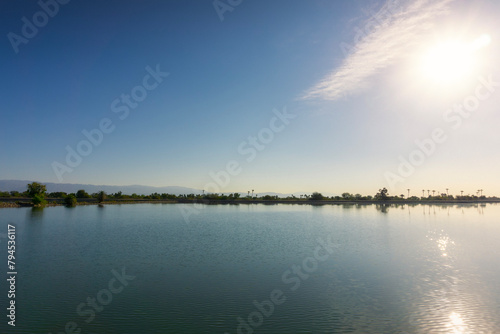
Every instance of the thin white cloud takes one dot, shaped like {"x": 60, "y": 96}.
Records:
{"x": 393, "y": 29}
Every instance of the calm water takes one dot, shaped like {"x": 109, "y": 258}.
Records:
{"x": 310, "y": 269}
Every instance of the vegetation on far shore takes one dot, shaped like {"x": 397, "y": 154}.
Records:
{"x": 39, "y": 195}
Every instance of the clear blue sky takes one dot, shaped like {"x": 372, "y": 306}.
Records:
{"x": 363, "y": 87}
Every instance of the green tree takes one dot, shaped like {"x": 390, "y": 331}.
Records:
{"x": 155, "y": 195}
{"x": 101, "y": 196}
{"x": 382, "y": 194}
{"x": 70, "y": 200}
{"x": 39, "y": 201}
{"x": 37, "y": 192}
{"x": 82, "y": 194}
{"x": 347, "y": 196}
{"x": 57, "y": 194}
{"x": 316, "y": 196}
{"x": 36, "y": 188}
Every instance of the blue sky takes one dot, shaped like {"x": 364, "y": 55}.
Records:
{"x": 359, "y": 77}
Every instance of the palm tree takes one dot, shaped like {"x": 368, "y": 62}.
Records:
{"x": 428, "y": 192}
{"x": 461, "y": 192}
{"x": 433, "y": 192}
{"x": 447, "y": 192}
{"x": 408, "y": 193}
{"x": 252, "y": 193}
{"x": 481, "y": 190}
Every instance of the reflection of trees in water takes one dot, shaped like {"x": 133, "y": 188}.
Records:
{"x": 384, "y": 208}
{"x": 428, "y": 209}
{"x": 36, "y": 212}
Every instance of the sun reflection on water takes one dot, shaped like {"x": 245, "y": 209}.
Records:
{"x": 456, "y": 324}
{"x": 443, "y": 242}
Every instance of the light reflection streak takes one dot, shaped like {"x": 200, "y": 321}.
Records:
{"x": 456, "y": 324}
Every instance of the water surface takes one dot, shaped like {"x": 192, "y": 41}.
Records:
{"x": 406, "y": 269}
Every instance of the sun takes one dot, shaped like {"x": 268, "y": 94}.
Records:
{"x": 450, "y": 61}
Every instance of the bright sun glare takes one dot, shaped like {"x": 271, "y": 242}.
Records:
{"x": 450, "y": 61}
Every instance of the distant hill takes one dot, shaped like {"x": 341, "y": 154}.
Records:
{"x": 20, "y": 185}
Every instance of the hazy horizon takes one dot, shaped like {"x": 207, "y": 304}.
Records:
{"x": 287, "y": 97}
{"x": 179, "y": 189}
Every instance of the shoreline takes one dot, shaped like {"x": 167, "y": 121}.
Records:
{"x": 26, "y": 202}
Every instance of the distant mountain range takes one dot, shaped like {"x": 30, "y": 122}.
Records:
{"x": 20, "y": 185}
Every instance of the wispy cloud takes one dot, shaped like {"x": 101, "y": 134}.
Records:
{"x": 394, "y": 29}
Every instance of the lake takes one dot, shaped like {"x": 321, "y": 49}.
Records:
{"x": 143, "y": 268}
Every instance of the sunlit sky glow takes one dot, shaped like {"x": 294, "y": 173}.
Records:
{"x": 451, "y": 61}
{"x": 365, "y": 81}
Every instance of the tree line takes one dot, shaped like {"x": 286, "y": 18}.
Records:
{"x": 38, "y": 194}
